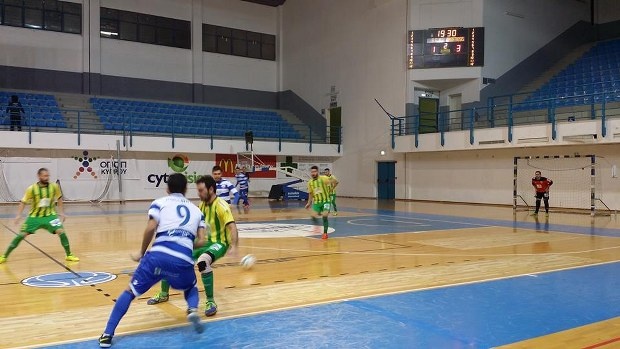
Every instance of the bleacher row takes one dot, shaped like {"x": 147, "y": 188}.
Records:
{"x": 40, "y": 110}
{"x": 152, "y": 117}
{"x": 592, "y": 78}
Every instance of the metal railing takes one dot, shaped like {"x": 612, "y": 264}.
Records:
{"x": 594, "y": 106}
{"x": 169, "y": 125}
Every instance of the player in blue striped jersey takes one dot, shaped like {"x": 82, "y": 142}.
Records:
{"x": 243, "y": 182}
{"x": 224, "y": 187}
{"x": 178, "y": 227}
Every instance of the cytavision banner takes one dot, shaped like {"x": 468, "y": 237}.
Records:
{"x": 156, "y": 172}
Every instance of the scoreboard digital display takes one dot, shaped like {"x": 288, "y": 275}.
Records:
{"x": 445, "y": 47}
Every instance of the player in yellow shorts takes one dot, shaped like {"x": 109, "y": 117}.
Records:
{"x": 43, "y": 197}
{"x": 319, "y": 197}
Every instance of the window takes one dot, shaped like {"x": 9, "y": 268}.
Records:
{"x": 46, "y": 15}
{"x": 254, "y": 42}
{"x": 72, "y": 23}
{"x": 224, "y": 39}
{"x": 53, "y": 21}
{"x": 146, "y": 34}
{"x": 33, "y": 18}
{"x": 109, "y": 28}
{"x": 209, "y": 38}
{"x": 13, "y": 16}
{"x": 182, "y": 39}
{"x": 128, "y": 31}
{"x": 165, "y": 36}
{"x": 148, "y": 29}
{"x": 70, "y": 7}
{"x": 238, "y": 42}
{"x": 268, "y": 48}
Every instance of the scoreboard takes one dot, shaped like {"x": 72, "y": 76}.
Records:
{"x": 445, "y": 47}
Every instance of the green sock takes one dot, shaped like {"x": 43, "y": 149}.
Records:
{"x": 334, "y": 204}
{"x": 325, "y": 225}
{"x": 13, "y": 244}
{"x": 207, "y": 281}
{"x": 64, "y": 241}
{"x": 165, "y": 287}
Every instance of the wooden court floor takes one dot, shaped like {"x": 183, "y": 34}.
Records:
{"x": 294, "y": 269}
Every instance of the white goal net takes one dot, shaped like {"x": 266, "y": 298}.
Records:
{"x": 576, "y": 183}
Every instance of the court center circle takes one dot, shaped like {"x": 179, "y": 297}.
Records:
{"x": 68, "y": 279}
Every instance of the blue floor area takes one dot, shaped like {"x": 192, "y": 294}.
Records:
{"x": 541, "y": 224}
{"x": 480, "y": 315}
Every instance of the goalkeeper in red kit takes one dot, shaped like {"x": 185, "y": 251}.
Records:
{"x": 541, "y": 185}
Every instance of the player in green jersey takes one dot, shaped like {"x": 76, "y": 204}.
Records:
{"x": 319, "y": 197}
{"x": 43, "y": 197}
{"x": 221, "y": 237}
{"x": 334, "y": 183}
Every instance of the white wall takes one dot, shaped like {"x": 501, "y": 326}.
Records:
{"x": 358, "y": 46}
{"x": 238, "y": 72}
{"x": 143, "y": 175}
{"x": 485, "y": 176}
{"x": 241, "y": 15}
{"x": 543, "y": 21}
{"x": 41, "y": 140}
{"x": 426, "y": 14}
{"x": 31, "y": 48}
{"x": 40, "y": 49}
{"x": 607, "y": 11}
{"x": 144, "y": 61}
{"x": 179, "y": 9}
{"x": 508, "y": 39}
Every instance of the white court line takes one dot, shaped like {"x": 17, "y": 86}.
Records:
{"x": 437, "y": 220}
{"x": 292, "y": 307}
{"x": 352, "y": 222}
{"x": 431, "y": 254}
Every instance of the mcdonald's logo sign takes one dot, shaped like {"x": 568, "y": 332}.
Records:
{"x": 227, "y": 165}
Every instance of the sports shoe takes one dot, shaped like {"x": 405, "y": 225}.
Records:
{"x": 2, "y": 259}
{"x": 160, "y": 297}
{"x": 72, "y": 258}
{"x": 194, "y": 319}
{"x": 105, "y": 341}
{"x": 324, "y": 237}
{"x": 210, "y": 308}
{"x": 335, "y": 213}
{"x": 546, "y": 214}
{"x": 534, "y": 214}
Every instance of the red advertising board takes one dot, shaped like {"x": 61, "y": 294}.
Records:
{"x": 228, "y": 162}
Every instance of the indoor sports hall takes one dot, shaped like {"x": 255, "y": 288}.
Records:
{"x": 463, "y": 155}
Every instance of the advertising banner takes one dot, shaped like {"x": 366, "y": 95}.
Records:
{"x": 228, "y": 162}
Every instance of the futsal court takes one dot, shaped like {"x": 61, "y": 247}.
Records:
{"x": 391, "y": 275}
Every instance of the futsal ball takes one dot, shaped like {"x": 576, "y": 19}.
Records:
{"x": 248, "y": 261}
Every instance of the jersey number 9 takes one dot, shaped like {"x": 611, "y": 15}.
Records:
{"x": 183, "y": 212}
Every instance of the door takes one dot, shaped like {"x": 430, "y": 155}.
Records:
{"x": 386, "y": 180}
{"x": 428, "y": 109}
{"x": 456, "y": 116}
{"x": 335, "y": 121}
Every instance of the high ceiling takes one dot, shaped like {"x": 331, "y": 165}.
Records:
{"x": 274, "y": 3}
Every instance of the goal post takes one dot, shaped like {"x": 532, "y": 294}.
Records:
{"x": 577, "y": 186}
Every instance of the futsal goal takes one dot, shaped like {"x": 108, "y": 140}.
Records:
{"x": 577, "y": 183}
